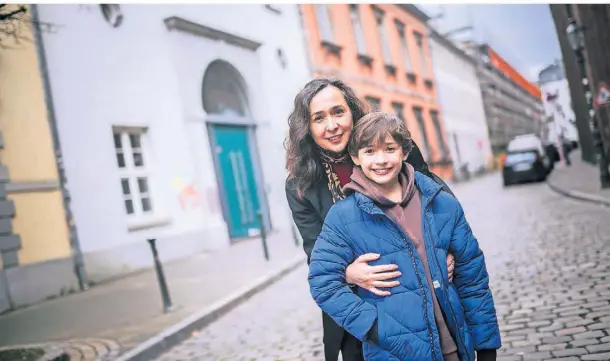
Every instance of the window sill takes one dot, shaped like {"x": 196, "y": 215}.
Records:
{"x": 147, "y": 223}
{"x": 390, "y": 69}
{"x": 411, "y": 77}
{"x": 331, "y": 48}
{"x": 365, "y": 60}
{"x": 442, "y": 162}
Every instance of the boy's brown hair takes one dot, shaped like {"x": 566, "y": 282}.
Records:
{"x": 373, "y": 128}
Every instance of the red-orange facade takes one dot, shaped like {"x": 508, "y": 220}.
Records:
{"x": 382, "y": 52}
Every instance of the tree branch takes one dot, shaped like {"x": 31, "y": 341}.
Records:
{"x": 12, "y": 13}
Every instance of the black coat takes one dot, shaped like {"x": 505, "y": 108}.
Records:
{"x": 308, "y": 214}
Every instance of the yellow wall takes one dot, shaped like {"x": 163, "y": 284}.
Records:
{"x": 41, "y": 224}
{"x": 28, "y": 154}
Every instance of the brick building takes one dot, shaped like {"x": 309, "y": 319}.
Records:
{"x": 382, "y": 51}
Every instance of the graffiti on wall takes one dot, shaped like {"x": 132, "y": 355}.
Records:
{"x": 188, "y": 196}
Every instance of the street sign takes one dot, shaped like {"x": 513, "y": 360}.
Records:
{"x": 602, "y": 98}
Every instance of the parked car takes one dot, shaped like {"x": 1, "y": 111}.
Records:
{"x": 526, "y": 160}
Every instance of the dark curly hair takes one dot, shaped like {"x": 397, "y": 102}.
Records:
{"x": 302, "y": 160}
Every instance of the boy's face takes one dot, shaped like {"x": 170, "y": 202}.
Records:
{"x": 381, "y": 163}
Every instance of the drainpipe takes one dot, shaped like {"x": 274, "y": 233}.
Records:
{"x": 77, "y": 254}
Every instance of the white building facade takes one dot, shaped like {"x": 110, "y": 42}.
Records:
{"x": 171, "y": 120}
{"x": 557, "y": 104}
{"x": 461, "y": 103}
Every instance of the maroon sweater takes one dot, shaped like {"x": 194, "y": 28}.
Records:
{"x": 407, "y": 214}
{"x": 343, "y": 171}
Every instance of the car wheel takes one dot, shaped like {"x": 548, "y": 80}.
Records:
{"x": 505, "y": 182}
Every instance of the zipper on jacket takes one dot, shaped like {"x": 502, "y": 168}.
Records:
{"x": 421, "y": 286}
{"x": 446, "y": 288}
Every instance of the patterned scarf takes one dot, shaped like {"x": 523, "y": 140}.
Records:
{"x": 334, "y": 185}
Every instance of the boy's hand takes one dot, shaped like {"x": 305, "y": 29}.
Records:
{"x": 450, "y": 265}
{"x": 371, "y": 278}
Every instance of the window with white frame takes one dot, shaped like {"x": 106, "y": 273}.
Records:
{"x": 419, "y": 39}
{"x": 440, "y": 139}
{"x": 324, "y": 23}
{"x": 383, "y": 35}
{"x": 129, "y": 145}
{"x": 426, "y": 151}
{"x": 358, "y": 30}
{"x": 400, "y": 27}
{"x": 373, "y": 103}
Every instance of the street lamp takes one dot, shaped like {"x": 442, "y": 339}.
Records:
{"x": 576, "y": 38}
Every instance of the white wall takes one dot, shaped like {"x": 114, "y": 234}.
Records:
{"x": 462, "y": 107}
{"x": 143, "y": 74}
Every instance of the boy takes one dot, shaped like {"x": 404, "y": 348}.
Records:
{"x": 407, "y": 219}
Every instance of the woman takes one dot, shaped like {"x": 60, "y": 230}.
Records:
{"x": 318, "y": 164}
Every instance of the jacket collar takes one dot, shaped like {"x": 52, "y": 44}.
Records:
{"x": 427, "y": 187}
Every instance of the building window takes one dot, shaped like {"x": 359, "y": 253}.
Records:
{"x": 354, "y": 14}
{"x": 398, "y": 111}
{"x": 324, "y": 24}
{"x": 419, "y": 116}
{"x": 383, "y": 35}
{"x": 374, "y": 104}
{"x": 419, "y": 39}
{"x": 404, "y": 47}
{"x": 129, "y": 145}
{"x": 439, "y": 134}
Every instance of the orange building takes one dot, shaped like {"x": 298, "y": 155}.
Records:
{"x": 382, "y": 52}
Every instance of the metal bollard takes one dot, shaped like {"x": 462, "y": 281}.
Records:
{"x": 263, "y": 234}
{"x": 167, "y": 302}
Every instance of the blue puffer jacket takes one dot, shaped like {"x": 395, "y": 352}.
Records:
{"x": 405, "y": 319}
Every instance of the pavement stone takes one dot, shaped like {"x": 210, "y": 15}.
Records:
{"x": 547, "y": 256}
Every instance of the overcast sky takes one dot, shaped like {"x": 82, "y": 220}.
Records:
{"x": 523, "y": 34}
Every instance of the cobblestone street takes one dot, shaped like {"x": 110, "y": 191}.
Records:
{"x": 549, "y": 266}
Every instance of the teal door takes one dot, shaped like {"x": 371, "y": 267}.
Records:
{"x": 237, "y": 177}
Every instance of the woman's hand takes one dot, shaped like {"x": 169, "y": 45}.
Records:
{"x": 372, "y": 278}
{"x": 450, "y": 266}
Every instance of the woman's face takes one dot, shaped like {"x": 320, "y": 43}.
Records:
{"x": 331, "y": 120}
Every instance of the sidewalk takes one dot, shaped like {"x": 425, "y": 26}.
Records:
{"x": 127, "y": 312}
{"x": 579, "y": 181}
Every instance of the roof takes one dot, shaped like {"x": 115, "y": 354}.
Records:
{"x": 504, "y": 67}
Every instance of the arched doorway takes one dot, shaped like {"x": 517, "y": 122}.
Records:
{"x": 231, "y": 128}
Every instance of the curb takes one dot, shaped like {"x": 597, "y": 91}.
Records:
{"x": 581, "y": 196}
{"x": 173, "y": 335}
